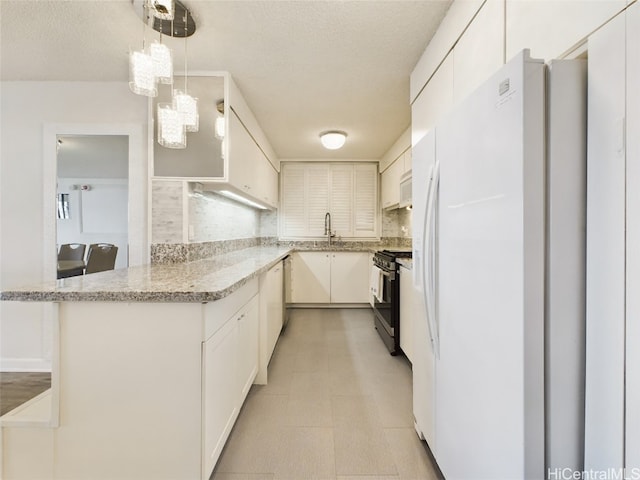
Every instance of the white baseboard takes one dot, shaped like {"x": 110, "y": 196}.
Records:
{"x": 25, "y": 365}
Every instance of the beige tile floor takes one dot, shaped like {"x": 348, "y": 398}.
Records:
{"x": 337, "y": 407}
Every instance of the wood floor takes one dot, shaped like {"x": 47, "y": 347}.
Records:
{"x": 18, "y": 387}
{"x": 337, "y": 407}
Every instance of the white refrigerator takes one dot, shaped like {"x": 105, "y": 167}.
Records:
{"x": 482, "y": 222}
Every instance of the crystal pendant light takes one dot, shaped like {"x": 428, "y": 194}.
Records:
{"x": 162, "y": 62}
{"x": 163, "y": 9}
{"x": 188, "y": 108}
{"x": 171, "y": 130}
{"x": 185, "y": 103}
{"x": 142, "y": 79}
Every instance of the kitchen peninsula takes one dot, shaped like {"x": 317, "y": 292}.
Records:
{"x": 152, "y": 363}
{"x": 151, "y": 367}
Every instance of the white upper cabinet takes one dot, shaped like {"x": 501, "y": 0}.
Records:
{"x": 434, "y": 102}
{"x": 203, "y": 157}
{"x": 250, "y": 171}
{"x": 390, "y": 179}
{"x": 348, "y": 191}
{"x": 549, "y": 29}
{"x": 480, "y": 50}
{"x": 393, "y": 165}
{"x": 241, "y": 160}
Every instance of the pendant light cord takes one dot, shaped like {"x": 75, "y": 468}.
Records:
{"x": 186, "y": 35}
{"x": 145, "y": 12}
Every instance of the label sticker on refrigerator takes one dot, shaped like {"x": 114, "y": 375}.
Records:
{"x": 503, "y": 87}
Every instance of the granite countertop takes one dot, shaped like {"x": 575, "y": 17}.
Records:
{"x": 198, "y": 281}
{"x": 405, "y": 262}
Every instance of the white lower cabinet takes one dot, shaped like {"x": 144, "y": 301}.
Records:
{"x": 229, "y": 366}
{"x": 350, "y": 277}
{"x": 248, "y": 348}
{"x": 390, "y": 184}
{"x": 330, "y": 277}
{"x": 311, "y": 277}
{"x": 198, "y": 361}
{"x": 220, "y": 395}
{"x": 271, "y": 317}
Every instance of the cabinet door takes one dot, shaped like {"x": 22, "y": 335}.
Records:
{"x": 311, "y": 277}
{"x": 274, "y": 307}
{"x": 391, "y": 183}
{"x": 407, "y": 161}
{"x": 247, "y": 352}
{"x": 263, "y": 181}
{"x": 350, "y": 277}
{"x": 271, "y": 184}
{"x": 241, "y": 153}
{"x": 406, "y": 312}
{"x": 220, "y": 391}
{"x": 202, "y": 158}
{"x": 479, "y": 52}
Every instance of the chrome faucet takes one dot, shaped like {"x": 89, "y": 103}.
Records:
{"x": 327, "y": 227}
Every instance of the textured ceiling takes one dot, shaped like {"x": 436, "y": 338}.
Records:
{"x": 303, "y": 66}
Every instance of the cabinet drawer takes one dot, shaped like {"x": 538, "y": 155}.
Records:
{"x": 217, "y": 313}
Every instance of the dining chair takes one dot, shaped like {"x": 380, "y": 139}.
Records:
{"x": 101, "y": 257}
{"x": 72, "y": 251}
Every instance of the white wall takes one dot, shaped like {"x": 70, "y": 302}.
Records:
{"x": 27, "y": 110}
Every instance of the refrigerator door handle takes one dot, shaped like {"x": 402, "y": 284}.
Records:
{"x": 432, "y": 256}
{"x": 423, "y": 267}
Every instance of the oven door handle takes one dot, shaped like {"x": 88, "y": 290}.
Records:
{"x": 391, "y": 275}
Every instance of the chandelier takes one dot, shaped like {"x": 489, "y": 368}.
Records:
{"x": 151, "y": 66}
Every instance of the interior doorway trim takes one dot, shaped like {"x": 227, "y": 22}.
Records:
{"x": 138, "y": 168}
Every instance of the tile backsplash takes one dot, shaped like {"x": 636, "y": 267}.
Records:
{"x": 397, "y": 223}
{"x": 213, "y": 217}
{"x": 166, "y": 211}
{"x": 216, "y": 225}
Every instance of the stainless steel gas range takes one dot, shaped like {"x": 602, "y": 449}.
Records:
{"x": 386, "y": 302}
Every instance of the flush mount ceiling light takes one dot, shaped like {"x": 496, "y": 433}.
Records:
{"x": 333, "y": 139}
